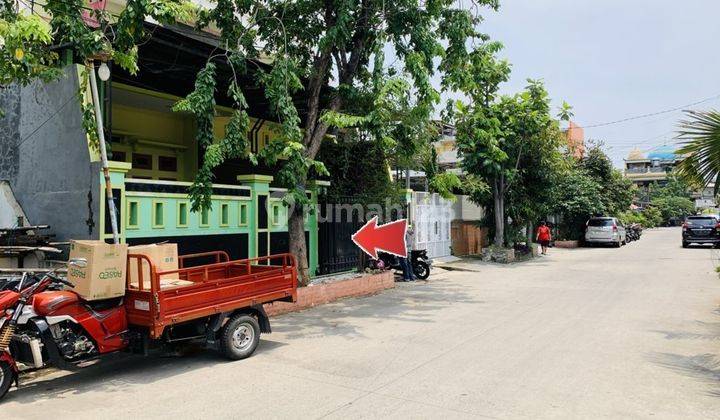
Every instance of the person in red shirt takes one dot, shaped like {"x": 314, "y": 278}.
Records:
{"x": 543, "y": 236}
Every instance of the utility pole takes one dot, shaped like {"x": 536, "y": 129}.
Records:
{"x": 103, "y": 153}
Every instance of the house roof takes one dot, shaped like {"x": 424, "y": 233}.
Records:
{"x": 173, "y": 55}
{"x": 636, "y": 154}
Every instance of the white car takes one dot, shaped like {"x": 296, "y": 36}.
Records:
{"x": 605, "y": 230}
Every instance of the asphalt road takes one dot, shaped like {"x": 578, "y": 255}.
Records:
{"x": 588, "y": 333}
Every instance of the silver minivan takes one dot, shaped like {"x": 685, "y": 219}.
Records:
{"x": 605, "y": 230}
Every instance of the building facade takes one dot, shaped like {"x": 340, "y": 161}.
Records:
{"x": 54, "y": 169}
{"x": 575, "y": 138}
{"x": 655, "y": 168}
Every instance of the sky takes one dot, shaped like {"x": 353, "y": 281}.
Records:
{"x": 614, "y": 59}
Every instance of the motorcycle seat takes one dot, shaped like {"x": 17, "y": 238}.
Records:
{"x": 104, "y": 304}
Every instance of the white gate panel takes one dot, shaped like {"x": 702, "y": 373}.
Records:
{"x": 431, "y": 216}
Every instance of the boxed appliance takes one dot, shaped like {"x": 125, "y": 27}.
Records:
{"x": 163, "y": 256}
{"x": 103, "y": 277}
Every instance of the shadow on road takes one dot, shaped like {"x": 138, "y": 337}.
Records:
{"x": 120, "y": 371}
{"x": 704, "y": 367}
{"x": 416, "y": 302}
{"x": 712, "y": 334}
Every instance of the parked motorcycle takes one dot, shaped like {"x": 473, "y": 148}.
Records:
{"x": 634, "y": 231}
{"x": 418, "y": 260}
{"x": 44, "y": 322}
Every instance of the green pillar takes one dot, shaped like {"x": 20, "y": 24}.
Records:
{"x": 260, "y": 185}
{"x": 408, "y": 203}
{"x": 312, "y": 225}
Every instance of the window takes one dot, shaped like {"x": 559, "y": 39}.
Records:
{"x": 158, "y": 214}
{"x": 118, "y": 156}
{"x": 224, "y": 214}
{"x": 204, "y": 218}
{"x": 243, "y": 218}
{"x": 133, "y": 211}
{"x": 142, "y": 161}
{"x": 701, "y": 221}
{"x": 275, "y": 214}
{"x": 600, "y": 222}
{"x": 182, "y": 214}
{"x": 167, "y": 163}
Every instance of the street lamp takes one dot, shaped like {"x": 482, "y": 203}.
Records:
{"x": 104, "y": 72}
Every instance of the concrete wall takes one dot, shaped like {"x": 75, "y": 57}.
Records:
{"x": 10, "y": 210}
{"x": 44, "y": 155}
{"x": 465, "y": 209}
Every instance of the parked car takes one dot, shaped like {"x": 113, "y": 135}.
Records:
{"x": 605, "y": 230}
{"x": 702, "y": 229}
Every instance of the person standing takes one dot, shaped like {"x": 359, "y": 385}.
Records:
{"x": 405, "y": 262}
{"x": 543, "y": 236}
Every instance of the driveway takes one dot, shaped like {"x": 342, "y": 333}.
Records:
{"x": 587, "y": 333}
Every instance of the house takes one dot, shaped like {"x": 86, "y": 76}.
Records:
{"x": 55, "y": 172}
{"x": 575, "y": 138}
{"x": 656, "y": 167}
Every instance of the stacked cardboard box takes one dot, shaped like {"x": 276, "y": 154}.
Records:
{"x": 103, "y": 276}
{"x": 164, "y": 257}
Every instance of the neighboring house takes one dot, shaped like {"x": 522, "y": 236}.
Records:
{"x": 644, "y": 170}
{"x": 575, "y": 137}
{"x": 655, "y": 167}
{"x": 56, "y": 176}
{"x": 445, "y": 147}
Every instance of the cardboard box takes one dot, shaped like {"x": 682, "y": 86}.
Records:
{"x": 104, "y": 275}
{"x": 163, "y": 256}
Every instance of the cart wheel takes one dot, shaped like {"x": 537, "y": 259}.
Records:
{"x": 240, "y": 337}
{"x": 6, "y": 378}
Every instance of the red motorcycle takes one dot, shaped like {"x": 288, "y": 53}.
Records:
{"x": 44, "y": 324}
{"x": 218, "y": 304}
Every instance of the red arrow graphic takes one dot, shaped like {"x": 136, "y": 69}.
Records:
{"x": 389, "y": 237}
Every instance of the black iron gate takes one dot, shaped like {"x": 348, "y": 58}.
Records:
{"x": 337, "y": 222}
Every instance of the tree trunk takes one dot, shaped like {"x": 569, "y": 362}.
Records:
{"x": 499, "y": 214}
{"x": 502, "y": 207}
{"x": 298, "y": 247}
{"x": 529, "y": 233}
{"x": 315, "y": 130}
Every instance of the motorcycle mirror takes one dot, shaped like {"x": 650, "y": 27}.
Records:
{"x": 78, "y": 262}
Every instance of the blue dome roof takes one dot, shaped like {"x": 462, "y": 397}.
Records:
{"x": 663, "y": 153}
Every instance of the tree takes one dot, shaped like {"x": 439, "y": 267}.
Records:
{"x": 30, "y": 44}
{"x": 577, "y": 197}
{"x": 674, "y": 187}
{"x": 617, "y": 191}
{"x": 315, "y": 47}
{"x": 653, "y": 216}
{"x": 329, "y": 44}
{"x": 700, "y": 132}
{"x": 511, "y": 141}
{"x": 481, "y": 135}
{"x": 540, "y": 163}
{"x": 439, "y": 181}
{"x": 671, "y": 207}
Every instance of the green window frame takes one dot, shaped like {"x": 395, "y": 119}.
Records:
{"x": 182, "y": 214}
{"x": 158, "y": 214}
{"x": 224, "y": 214}
{"x": 204, "y": 218}
{"x": 243, "y": 214}
{"x": 133, "y": 214}
{"x": 275, "y": 212}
